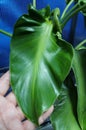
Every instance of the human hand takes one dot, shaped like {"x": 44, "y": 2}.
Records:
{"x": 11, "y": 115}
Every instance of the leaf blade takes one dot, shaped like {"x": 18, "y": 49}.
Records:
{"x": 79, "y": 64}
{"x": 63, "y": 117}
{"x": 36, "y": 65}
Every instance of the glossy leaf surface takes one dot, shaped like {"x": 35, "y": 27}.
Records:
{"x": 79, "y": 66}
{"x": 39, "y": 63}
{"x": 63, "y": 117}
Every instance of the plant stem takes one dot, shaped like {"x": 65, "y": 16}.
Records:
{"x": 65, "y": 10}
{"x": 5, "y": 33}
{"x": 70, "y": 14}
{"x": 34, "y": 3}
{"x": 80, "y": 44}
{"x": 56, "y": 14}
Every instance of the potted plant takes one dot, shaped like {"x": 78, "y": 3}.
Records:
{"x": 47, "y": 70}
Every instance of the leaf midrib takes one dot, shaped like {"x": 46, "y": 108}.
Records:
{"x": 46, "y": 32}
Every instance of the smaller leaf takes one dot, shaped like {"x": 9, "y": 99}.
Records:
{"x": 39, "y": 15}
{"x": 79, "y": 67}
{"x": 63, "y": 117}
{"x": 35, "y": 14}
{"x": 45, "y": 11}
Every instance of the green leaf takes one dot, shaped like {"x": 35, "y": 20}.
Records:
{"x": 35, "y": 14}
{"x": 45, "y": 11}
{"x": 79, "y": 67}
{"x": 63, "y": 117}
{"x": 39, "y": 63}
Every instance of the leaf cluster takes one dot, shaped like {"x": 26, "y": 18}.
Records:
{"x": 47, "y": 70}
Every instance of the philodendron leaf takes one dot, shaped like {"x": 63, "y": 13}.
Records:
{"x": 63, "y": 117}
{"x": 79, "y": 67}
{"x": 39, "y": 63}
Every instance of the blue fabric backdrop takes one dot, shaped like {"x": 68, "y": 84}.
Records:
{"x": 11, "y": 10}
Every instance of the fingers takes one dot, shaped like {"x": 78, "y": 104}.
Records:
{"x": 20, "y": 114}
{"x": 45, "y": 115}
{"x": 11, "y": 98}
{"x": 13, "y": 124}
{"x": 4, "y": 83}
{"x": 28, "y": 125}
